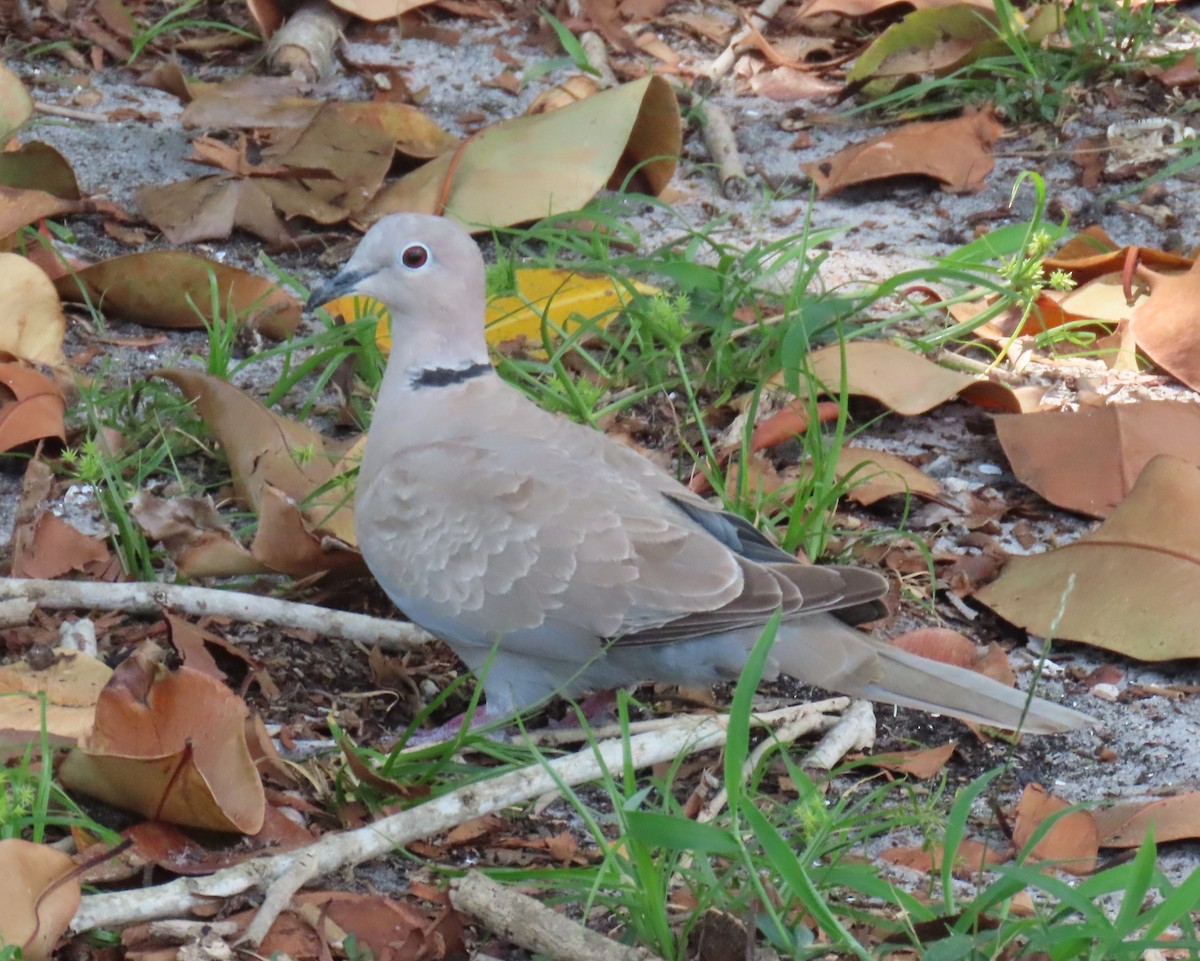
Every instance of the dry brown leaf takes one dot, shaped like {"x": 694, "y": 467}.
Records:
{"x": 1127, "y": 825}
{"x": 38, "y": 166}
{"x": 1089, "y": 460}
{"x": 31, "y": 407}
{"x": 970, "y": 857}
{"x": 572, "y": 90}
{"x": 344, "y": 158}
{"x": 951, "y": 647}
{"x": 156, "y": 843}
{"x": 1101, "y": 298}
{"x": 874, "y": 475}
{"x": 173, "y": 288}
{"x": 32, "y": 324}
{"x": 904, "y": 381}
{"x": 285, "y": 542}
{"x": 387, "y": 927}
{"x": 249, "y": 102}
{"x": 1093, "y": 253}
{"x": 36, "y": 903}
{"x": 376, "y": 10}
{"x": 1071, "y": 844}
{"x": 16, "y": 106}
{"x": 263, "y": 447}
{"x": 172, "y": 747}
{"x": 56, "y": 548}
{"x": 413, "y": 134}
{"x": 1165, "y": 325}
{"x": 956, "y": 153}
{"x": 256, "y": 102}
{"x": 72, "y": 684}
{"x": 326, "y": 171}
{"x": 529, "y": 167}
{"x": 283, "y": 471}
{"x": 20, "y": 208}
{"x": 190, "y": 641}
{"x": 194, "y": 534}
{"x": 1136, "y": 577}
{"x": 922, "y": 763}
{"x": 210, "y": 208}
{"x": 786, "y": 84}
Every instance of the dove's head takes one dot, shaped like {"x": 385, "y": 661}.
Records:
{"x": 429, "y": 274}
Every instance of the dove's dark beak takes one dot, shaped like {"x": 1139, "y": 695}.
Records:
{"x": 342, "y": 284}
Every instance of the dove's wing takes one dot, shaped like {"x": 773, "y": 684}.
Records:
{"x": 548, "y": 529}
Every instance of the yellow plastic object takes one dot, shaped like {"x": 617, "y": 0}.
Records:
{"x": 563, "y": 298}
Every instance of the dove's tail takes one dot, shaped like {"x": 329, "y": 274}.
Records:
{"x": 821, "y": 650}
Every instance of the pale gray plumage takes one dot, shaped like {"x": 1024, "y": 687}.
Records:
{"x": 493, "y": 523}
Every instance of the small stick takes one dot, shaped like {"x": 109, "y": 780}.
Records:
{"x": 722, "y": 147}
{"x": 765, "y": 719}
{"x": 594, "y": 46}
{"x": 854, "y": 732}
{"x": 70, "y": 112}
{"x": 724, "y": 61}
{"x": 789, "y": 725}
{"x": 796, "y": 721}
{"x": 278, "y": 898}
{"x": 181, "y": 932}
{"x": 303, "y": 47}
{"x": 151, "y": 598}
{"x": 531, "y": 925}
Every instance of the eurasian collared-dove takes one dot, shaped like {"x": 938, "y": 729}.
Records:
{"x": 494, "y": 524}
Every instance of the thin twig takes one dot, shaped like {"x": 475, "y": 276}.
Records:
{"x": 152, "y": 598}
{"x": 69, "y": 112}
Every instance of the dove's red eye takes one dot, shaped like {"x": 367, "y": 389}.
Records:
{"x": 414, "y": 256}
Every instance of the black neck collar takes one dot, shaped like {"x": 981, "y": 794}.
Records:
{"x": 448, "y": 376}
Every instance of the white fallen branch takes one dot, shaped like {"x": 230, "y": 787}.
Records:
{"x": 531, "y": 925}
{"x": 279, "y": 898}
{"x": 334, "y": 852}
{"x": 793, "y": 723}
{"x": 854, "y": 731}
{"x": 181, "y": 932}
{"x": 16, "y": 611}
{"x": 151, "y": 598}
{"x": 778, "y": 720}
